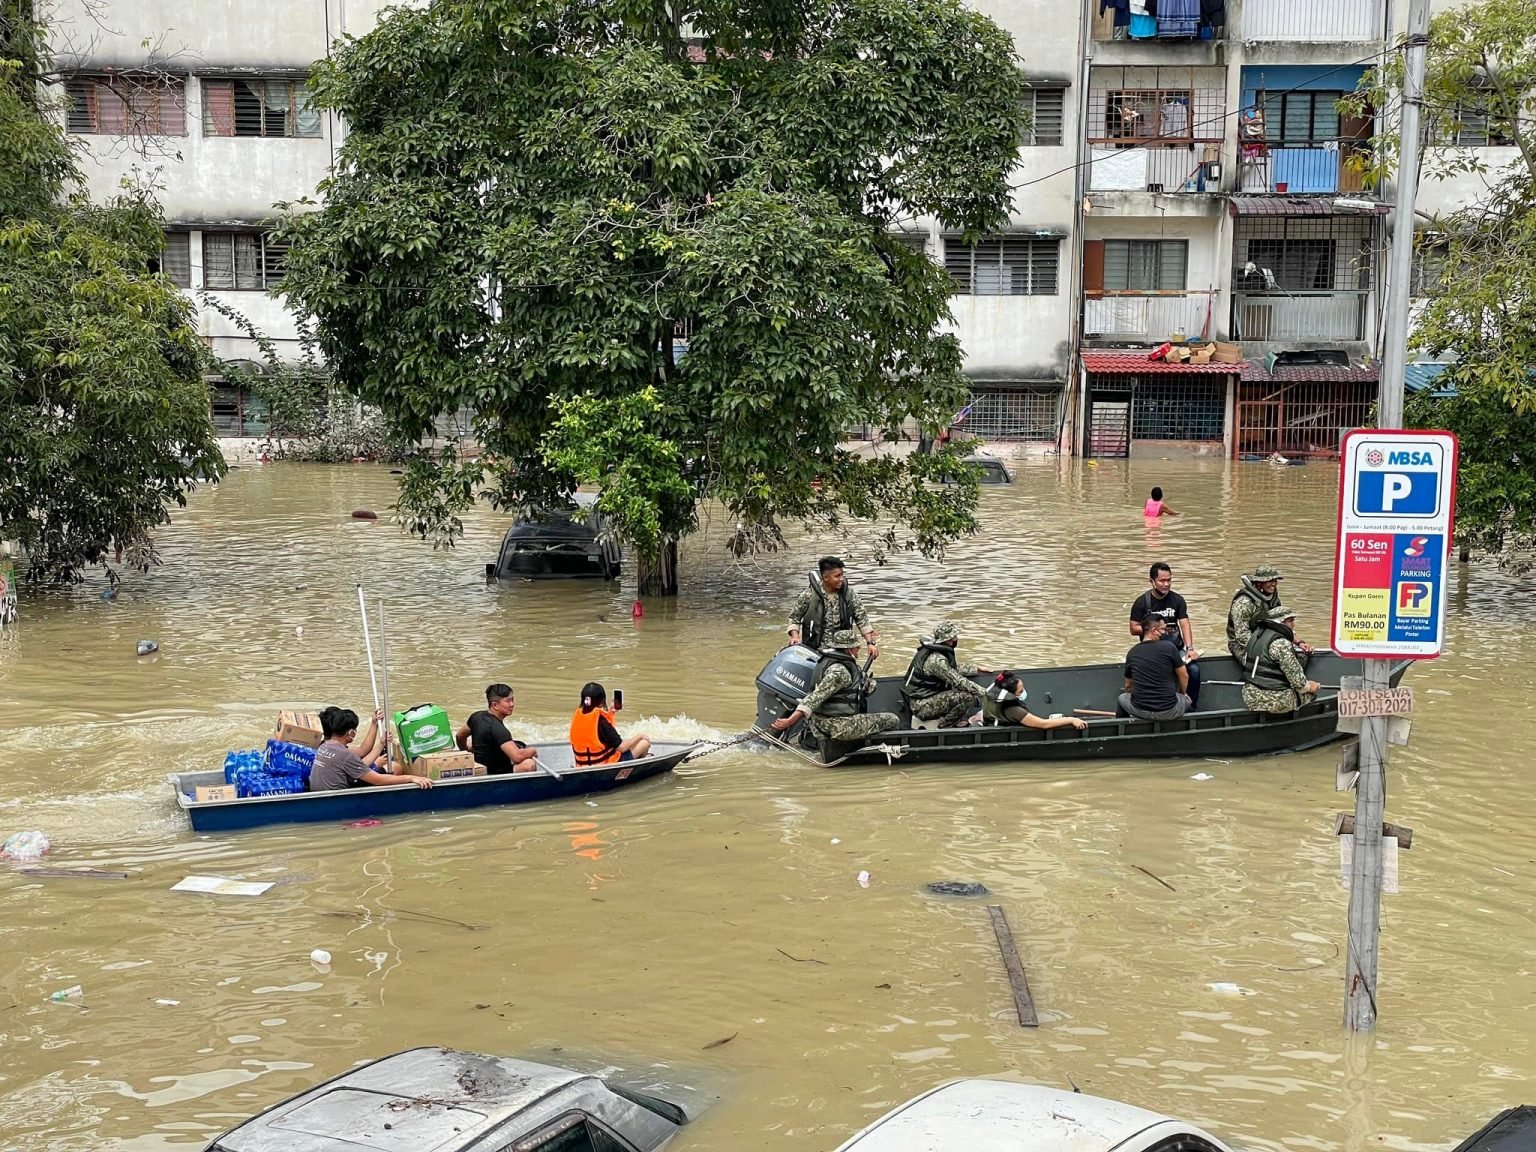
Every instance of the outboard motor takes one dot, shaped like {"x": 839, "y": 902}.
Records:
{"x": 783, "y": 682}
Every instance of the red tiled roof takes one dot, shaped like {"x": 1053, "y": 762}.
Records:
{"x": 1262, "y": 205}
{"x": 1137, "y": 363}
{"x": 1321, "y": 373}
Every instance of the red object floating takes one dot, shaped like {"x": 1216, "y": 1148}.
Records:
{"x": 365, "y": 824}
{"x": 638, "y": 610}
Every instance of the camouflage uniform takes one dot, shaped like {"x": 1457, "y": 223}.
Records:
{"x": 851, "y": 729}
{"x": 857, "y": 617}
{"x": 961, "y": 699}
{"x": 1244, "y": 612}
{"x": 1281, "y": 651}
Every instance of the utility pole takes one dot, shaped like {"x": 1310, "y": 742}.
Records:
{"x": 1371, "y": 794}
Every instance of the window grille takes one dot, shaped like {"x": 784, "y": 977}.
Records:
{"x": 1468, "y": 125}
{"x": 176, "y": 260}
{"x": 1167, "y": 406}
{"x": 1145, "y": 265}
{"x": 258, "y": 107}
{"x": 1019, "y": 414}
{"x": 1046, "y": 109}
{"x": 1005, "y": 266}
{"x": 126, "y": 105}
{"x": 242, "y": 261}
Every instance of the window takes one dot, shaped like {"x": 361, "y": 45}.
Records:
{"x": 1046, "y": 109}
{"x": 1302, "y": 117}
{"x": 127, "y": 105}
{"x": 1428, "y": 267}
{"x": 258, "y": 108}
{"x": 242, "y": 260}
{"x": 1004, "y": 266}
{"x": 1467, "y": 125}
{"x": 176, "y": 261}
{"x": 237, "y": 412}
{"x": 915, "y": 241}
{"x": 1171, "y": 407}
{"x": 1145, "y": 265}
{"x": 1149, "y": 114}
{"x": 1297, "y": 266}
{"x": 571, "y": 1133}
{"x": 1015, "y": 413}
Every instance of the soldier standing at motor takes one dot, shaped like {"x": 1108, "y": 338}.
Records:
{"x": 829, "y": 605}
{"x": 937, "y": 686}
{"x": 839, "y": 691}
{"x": 1274, "y": 668}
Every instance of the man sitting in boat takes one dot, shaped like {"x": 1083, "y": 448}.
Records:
{"x": 937, "y": 686}
{"x": 1003, "y": 705}
{"x": 838, "y": 696}
{"x": 485, "y": 735}
{"x": 1275, "y": 666}
{"x": 1156, "y": 681}
{"x": 1256, "y": 595}
{"x": 594, "y": 739}
{"x": 339, "y": 766}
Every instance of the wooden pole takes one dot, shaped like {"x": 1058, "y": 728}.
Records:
{"x": 1023, "y": 1002}
{"x": 1360, "y": 974}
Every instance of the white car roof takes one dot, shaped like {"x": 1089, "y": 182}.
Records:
{"x": 999, "y": 1116}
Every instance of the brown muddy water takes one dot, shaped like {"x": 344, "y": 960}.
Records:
{"x": 723, "y": 902}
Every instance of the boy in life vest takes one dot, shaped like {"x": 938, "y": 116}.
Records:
{"x": 594, "y": 739}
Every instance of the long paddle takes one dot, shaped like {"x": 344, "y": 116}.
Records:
{"x": 1240, "y": 683}
{"x": 389, "y": 728}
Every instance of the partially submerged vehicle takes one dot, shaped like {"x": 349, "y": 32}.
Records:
{"x": 1222, "y": 726}
{"x": 559, "y": 543}
{"x": 440, "y": 1100}
{"x": 993, "y": 470}
{"x": 1001, "y": 1116}
{"x": 1512, "y": 1130}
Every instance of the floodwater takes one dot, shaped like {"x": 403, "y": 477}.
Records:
{"x": 722, "y": 902}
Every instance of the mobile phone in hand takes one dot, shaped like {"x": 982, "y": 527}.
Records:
{"x": 618, "y": 699}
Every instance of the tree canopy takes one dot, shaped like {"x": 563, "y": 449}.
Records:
{"x": 648, "y": 247}
{"x": 1478, "y": 284}
{"x": 104, "y": 415}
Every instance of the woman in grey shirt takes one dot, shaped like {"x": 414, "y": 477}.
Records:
{"x": 338, "y": 764}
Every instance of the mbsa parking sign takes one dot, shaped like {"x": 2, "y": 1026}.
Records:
{"x": 1397, "y": 493}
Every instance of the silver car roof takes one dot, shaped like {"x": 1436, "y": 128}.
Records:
{"x": 421, "y": 1100}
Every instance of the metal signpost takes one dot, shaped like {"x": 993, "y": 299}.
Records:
{"x": 1396, "y": 506}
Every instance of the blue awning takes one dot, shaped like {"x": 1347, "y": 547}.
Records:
{"x": 1418, "y": 377}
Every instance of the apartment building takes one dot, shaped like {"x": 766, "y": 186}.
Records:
{"x": 1187, "y": 175}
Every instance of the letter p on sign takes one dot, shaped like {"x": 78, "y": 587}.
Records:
{"x": 1394, "y": 487}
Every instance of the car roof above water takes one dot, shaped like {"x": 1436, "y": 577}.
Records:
{"x": 421, "y": 1100}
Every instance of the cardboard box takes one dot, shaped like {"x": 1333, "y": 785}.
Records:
{"x": 1201, "y": 355}
{"x": 1227, "y": 353}
{"x": 300, "y": 728}
{"x": 205, "y": 793}
{"x": 446, "y": 766}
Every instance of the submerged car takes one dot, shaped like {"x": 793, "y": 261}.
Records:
{"x": 553, "y": 543}
{"x": 440, "y": 1100}
{"x": 1001, "y": 1116}
{"x": 1512, "y": 1130}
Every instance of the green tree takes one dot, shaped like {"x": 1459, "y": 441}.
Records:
{"x": 1479, "y": 306}
{"x": 647, "y": 246}
{"x": 104, "y": 415}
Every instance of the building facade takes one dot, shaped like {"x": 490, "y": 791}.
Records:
{"x": 1187, "y": 176}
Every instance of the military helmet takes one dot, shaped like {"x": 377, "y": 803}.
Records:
{"x": 842, "y": 639}
{"x": 945, "y": 631}
{"x": 1265, "y": 573}
{"x": 1279, "y": 614}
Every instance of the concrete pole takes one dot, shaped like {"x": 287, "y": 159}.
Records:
{"x": 1371, "y": 794}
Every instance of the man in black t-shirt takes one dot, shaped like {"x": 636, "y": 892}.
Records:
{"x": 1156, "y": 681}
{"x": 1163, "y": 602}
{"x": 485, "y": 734}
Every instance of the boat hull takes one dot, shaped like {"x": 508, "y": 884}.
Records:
{"x": 368, "y": 802}
{"x": 1221, "y": 728}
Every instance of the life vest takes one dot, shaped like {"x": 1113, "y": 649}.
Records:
{"x": 1260, "y": 668}
{"x": 846, "y": 701}
{"x": 1246, "y": 591}
{"x": 815, "y": 626}
{"x": 918, "y": 684}
{"x": 587, "y": 749}
{"x": 995, "y": 704}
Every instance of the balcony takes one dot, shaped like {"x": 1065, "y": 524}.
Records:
{"x": 1153, "y": 169}
{"x": 1147, "y": 317}
{"x": 1319, "y": 170}
{"x": 1312, "y": 21}
{"x": 1180, "y": 25}
{"x": 1299, "y": 316}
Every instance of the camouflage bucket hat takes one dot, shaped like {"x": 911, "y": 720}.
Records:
{"x": 841, "y": 639}
{"x": 1279, "y": 614}
{"x": 1266, "y": 572}
{"x": 945, "y": 631}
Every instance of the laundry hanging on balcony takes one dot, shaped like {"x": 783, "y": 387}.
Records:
{"x": 1144, "y": 18}
{"x": 1178, "y": 18}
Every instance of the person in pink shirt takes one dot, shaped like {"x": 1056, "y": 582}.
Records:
{"x": 1157, "y": 506}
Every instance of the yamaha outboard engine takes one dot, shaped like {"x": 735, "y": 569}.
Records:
{"x": 783, "y": 682}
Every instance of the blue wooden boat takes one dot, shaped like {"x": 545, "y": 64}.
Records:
{"x": 558, "y": 779}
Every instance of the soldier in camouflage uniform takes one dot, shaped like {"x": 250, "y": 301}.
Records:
{"x": 936, "y": 686}
{"x": 829, "y": 605}
{"x": 1252, "y": 601}
{"x": 835, "y": 703}
{"x": 1274, "y": 668}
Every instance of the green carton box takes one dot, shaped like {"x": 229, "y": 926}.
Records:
{"x": 423, "y": 729}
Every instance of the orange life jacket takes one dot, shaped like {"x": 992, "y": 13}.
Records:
{"x": 585, "y": 746}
